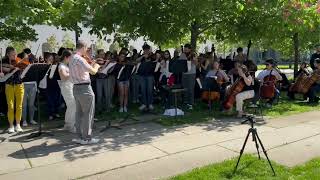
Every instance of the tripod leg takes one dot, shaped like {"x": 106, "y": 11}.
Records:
{"x": 241, "y": 151}
{"x": 265, "y": 153}
{"x": 254, "y": 136}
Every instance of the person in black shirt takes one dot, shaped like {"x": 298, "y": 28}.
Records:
{"x": 315, "y": 56}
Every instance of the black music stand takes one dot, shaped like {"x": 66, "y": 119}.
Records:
{"x": 177, "y": 67}
{"x": 35, "y": 73}
{"x": 255, "y": 139}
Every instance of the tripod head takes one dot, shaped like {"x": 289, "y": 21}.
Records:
{"x": 249, "y": 118}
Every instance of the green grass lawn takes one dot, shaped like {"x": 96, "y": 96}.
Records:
{"x": 284, "y": 66}
{"x": 251, "y": 167}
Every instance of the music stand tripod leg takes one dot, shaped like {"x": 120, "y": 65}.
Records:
{"x": 254, "y": 138}
{"x": 265, "y": 153}
{"x": 242, "y": 149}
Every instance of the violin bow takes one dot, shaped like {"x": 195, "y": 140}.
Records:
{"x": 1, "y": 60}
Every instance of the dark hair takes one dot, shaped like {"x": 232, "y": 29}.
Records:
{"x": 65, "y": 54}
{"x": 46, "y": 55}
{"x": 270, "y": 61}
{"x": 188, "y": 46}
{"x": 21, "y": 55}
{"x": 27, "y": 51}
{"x": 317, "y": 60}
{"x": 167, "y": 51}
{"x": 135, "y": 51}
{"x": 80, "y": 44}
{"x": 99, "y": 51}
{"x": 146, "y": 46}
{"x": 60, "y": 51}
{"x": 9, "y": 49}
{"x": 239, "y": 49}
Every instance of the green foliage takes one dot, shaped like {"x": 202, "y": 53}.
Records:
{"x": 19, "y": 45}
{"x": 100, "y": 44}
{"x": 54, "y": 45}
{"x": 68, "y": 42}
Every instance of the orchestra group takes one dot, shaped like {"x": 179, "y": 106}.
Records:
{"x": 91, "y": 82}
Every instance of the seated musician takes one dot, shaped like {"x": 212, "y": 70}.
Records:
{"x": 240, "y": 57}
{"x": 303, "y": 69}
{"x": 269, "y": 70}
{"x": 219, "y": 77}
{"x": 315, "y": 88}
{"x": 247, "y": 92}
{"x": 233, "y": 73}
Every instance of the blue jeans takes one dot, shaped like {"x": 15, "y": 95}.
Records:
{"x": 53, "y": 100}
{"x": 147, "y": 83}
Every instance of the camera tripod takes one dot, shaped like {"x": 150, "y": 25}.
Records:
{"x": 255, "y": 137}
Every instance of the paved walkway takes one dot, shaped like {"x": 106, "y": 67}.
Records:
{"x": 150, "y": 151}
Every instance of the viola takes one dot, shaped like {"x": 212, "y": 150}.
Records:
{"x": 88, "y": 59}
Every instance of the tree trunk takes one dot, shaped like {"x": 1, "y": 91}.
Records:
{"x": 194, "y": 35}
{"x": 296, "y": 53}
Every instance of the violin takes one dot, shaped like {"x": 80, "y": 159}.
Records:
{"x": 88, "y": 59}
{"x": 20, "y": 63}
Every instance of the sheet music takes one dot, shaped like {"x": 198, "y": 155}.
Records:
{"x": 199, "y": 83}
{"x": 7, "y": 76}
{"x": 137, "y": 67}
{"x": 108, "y": 67}
{"x": 133, "y": 69}
{"x": 189, "y": 65}
{"x": 53, "y": 70}
{"x": 120, "y": 72}
{"x": 24, "y": 72}
{"x": 157, "y": 67}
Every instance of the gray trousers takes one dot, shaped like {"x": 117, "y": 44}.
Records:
{"x": 30, "y": 92}
{"x": 84, "y": 97}
{"x": 134, "y": 87}
{"x": 105, "y": 87}
{"x": 188, "y": 82}
{"x": 147, "y": 83}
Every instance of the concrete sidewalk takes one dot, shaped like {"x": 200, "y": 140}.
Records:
{"x": 151, "y": 151}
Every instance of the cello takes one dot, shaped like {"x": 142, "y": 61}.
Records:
{"x": 236, "y": 88}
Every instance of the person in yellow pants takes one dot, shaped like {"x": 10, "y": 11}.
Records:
{"x": 14, "y": 90}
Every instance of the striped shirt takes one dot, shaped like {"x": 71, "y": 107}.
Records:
{"x": 79, "y": 70}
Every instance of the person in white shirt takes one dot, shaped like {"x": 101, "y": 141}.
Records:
{"x": 270, "y": 70}
{"x": 66, "y": 87}
{"x": 80, "y": 71}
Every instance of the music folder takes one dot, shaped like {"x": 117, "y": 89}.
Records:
{"x": 34, "y": 72}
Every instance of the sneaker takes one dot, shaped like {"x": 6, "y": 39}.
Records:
{"x": 78, "y": 141}
{"x": 151, "y": 107}
{"x": 142, "y": 107}
{"x": 253, "y": 106}
{"x": 125, "y": 109}
{"x": 24, "y": 123}
{"x": 51, "y": 117}
{"x": 33, "y": 122}
{"x": 190, "y": 107}
{"x": 91, "y": 141}
{"x": 95, "y": 119}
{"x": 57, "y": 116}
{"x": 18, "y": 128}
{"x": 268, "y": 105}
{"x": 121, "y": 110}
{"x": 11, "y": 130}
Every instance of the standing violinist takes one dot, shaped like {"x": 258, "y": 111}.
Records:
{"x": 123, "y": 84}
{"x": 30, "y": 91}
{"x": 14, "y": 90}
{"x": 268, "y": 71}
{"x": 248, "y": 90}
{"x": 315, "y": 88}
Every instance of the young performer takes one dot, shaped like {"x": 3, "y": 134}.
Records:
{"x": 247, "y": 92}
{"x": 101, "y": 84}
{"x": 123, "y": 85}
{"x": 267, "y": 72}
{"x": 240, "y": 57}
{"x": 14, "y": 90}
{"x": 189, "y": 78}
{"x": 66, "y": 87}
{"x": 315, "y": 88}
{"x": 30, "y": 92}
{"x": 146, "y": 78}
{"x": 79, "y": 70}
{"x": 315, "y": 56}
